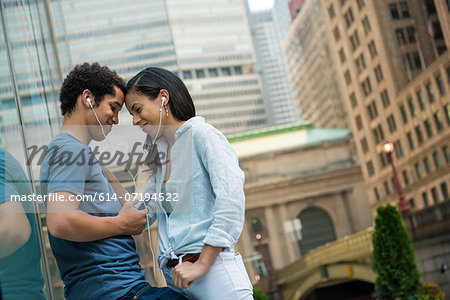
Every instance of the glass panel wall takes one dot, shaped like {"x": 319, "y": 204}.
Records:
{"x": 30, "y": 76}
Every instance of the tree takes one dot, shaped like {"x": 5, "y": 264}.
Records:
{"x": 393, "y": 257}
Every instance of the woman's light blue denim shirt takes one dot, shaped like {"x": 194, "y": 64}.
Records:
{"x": 209, "y": 186}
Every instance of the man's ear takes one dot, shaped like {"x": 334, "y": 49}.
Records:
{"x": 87, "y": 99}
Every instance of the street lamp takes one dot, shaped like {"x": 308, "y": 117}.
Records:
{"x": 403, "y": 205}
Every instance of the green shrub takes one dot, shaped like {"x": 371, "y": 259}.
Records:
{"x": 393, "y": 257}
{"x": 259, "y": 295}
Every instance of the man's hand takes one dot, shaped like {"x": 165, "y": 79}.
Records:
{"x": 183, "y": 275}
{"x": 131, "y": 220}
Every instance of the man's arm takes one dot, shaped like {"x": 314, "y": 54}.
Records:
{"x": 116, "y": 185}
{"x": 66, "y": 221}
{"x": 14, "y": 228}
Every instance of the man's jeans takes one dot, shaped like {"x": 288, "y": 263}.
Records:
{"x": 144, "y": 291}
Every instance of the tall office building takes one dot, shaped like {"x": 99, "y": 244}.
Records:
{"x": 393, "y": 66}
{"x": 271, "y": 66}
{"x": 282, "y": 15}
{"x": 311, "y": 70}
{"x": 208, "y": 43}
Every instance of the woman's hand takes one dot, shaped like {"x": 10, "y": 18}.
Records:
{"x": 183, "y": 276}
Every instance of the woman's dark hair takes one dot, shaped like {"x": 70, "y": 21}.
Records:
{"x": 151, "y": 81}
{"x": 99, "y": 80}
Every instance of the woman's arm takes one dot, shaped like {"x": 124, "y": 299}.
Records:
{"x": 183, "y": 275}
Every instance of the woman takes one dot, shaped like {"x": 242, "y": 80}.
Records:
{"x": 198, "y": 188}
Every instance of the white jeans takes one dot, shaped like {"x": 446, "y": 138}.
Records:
{"x": 226, "y": 279}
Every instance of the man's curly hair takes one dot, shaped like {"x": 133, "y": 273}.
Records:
{"x": 99, "y": 80}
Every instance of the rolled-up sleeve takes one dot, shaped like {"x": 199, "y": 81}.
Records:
{"x": 227, "y": 181}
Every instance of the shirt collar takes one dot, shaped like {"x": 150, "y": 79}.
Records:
{"x": 188, "y": 124}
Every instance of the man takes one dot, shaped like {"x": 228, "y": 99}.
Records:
{"x": 89, "y": 228}
{"x": 20, "y": 265}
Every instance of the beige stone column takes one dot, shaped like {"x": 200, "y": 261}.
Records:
{"x": 292, "y": 251}
{"x": 245, "y": 247}
{"x": 275, "y": 243}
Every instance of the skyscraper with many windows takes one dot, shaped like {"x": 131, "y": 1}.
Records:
{"x": 278, "y": 95}
{"x": 208, "y": 44}
{"x": 393, "y": 67}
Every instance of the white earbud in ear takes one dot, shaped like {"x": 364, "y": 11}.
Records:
{"x": 162, "y": 103}
{"x": 90, "y": 103}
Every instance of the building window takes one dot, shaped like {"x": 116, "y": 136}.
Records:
{"x": 366, "y": 25}
{"x": 238, "y": 70}
{"x": 437, "y": 162}
{"x": 372, "y": 110}
{"x": 434, "y": 195}
{"x": 349, "y": 18}
{"x": 444, "y": 191}
{"x": 410, "y": 33}
{"x": 438, "y": 120}
{"x": 419, "y": 135}
{"x": 366, "y": 86}
{"x": 337, "y": 34}
{"x": 370, "y": 169}
{"x": 410, "y": 141}
{"x": 391, "y": 124}
{"x": 342, "y": 56}
{"x": 348, "y": 78}
{"x": 412, "y": 203}
{"x": 200, "y": 73}
{"x": 354, "y": 39}
{"x": 383, "y": 159}
{"x": 399, "y": 34}
{"x": 394, "y": 11}
{"x": 405, "y": 178}
{"x": 417, "y": 60}
{"x": 378, "y": 134}
{"x": 317, "y": 229}
{"x": 418, "y": 171}
{"x": 428, "y": 128}
{"x": 360, "y": 63}
{"x": 372, "y": 49}
{"x": 447, "y": 112}
{"x": 385, "y": 98}
{"x": 426, "y": 202}
{"x": 386, "y": 188}
{"x": 187, "y": 74}
{"x": 360, "y": 4}
{"x": 213, "y": 73}
{"x": 430, "y": 93}
{"x": 440, "y": 84}
{"x": 378, "y": 73}
{"x": 331, "y": 12}
{"x": 364, "y": 145}
{"x": 426, "y": 163}
{"x": 446, "y": 152}
{"x": 226, "y": 71}
{"x": 404, "y": 9}
{"x": 420, "y": 99}
{"x": 412, "y": 107}
{"x": 377, "y": 195}
{"x": 359, "y": 123}
{"x": 398, "y": 149}
{"x": 403, "y": 112}
{"x": 353, "y": 100}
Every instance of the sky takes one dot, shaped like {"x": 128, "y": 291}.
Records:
{"x": 260, "y": 4}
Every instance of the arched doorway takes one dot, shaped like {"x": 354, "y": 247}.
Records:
{"x": 317, "y": 229}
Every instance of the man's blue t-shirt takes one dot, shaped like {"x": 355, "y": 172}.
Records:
{"x": 20, "y": 273}
{"x": 103, "y": 269}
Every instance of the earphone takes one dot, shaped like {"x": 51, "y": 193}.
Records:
{"x": 162, "y": 104}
